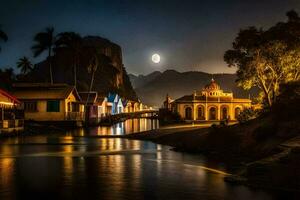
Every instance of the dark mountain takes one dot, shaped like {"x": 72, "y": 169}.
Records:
{"x": 111, "y": 76}
{"x": 141, "y": 80}
{"x": 152, "y": 91}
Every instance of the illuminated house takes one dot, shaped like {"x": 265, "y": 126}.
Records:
{"x": 120, "y": 108}
{"x": 125, "y": 105}
{"x": 89, "y": 100}
{"x": 140, "y": 106}
{"x": 115, "y": 102}
{"x": 129, "y": 106}
{"x": 50, "y": 102}
{"x": 209, "y": 104}
{"x": 11, "y": 116}
{"x": 102, "y": 106}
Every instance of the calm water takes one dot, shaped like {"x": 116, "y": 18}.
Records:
{"x": 127, "y": 127}
{"x": 62, "y": 166}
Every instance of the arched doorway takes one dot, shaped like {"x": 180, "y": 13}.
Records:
{"x": 188, "y": 113}
{"x": 224, "y": 113}
{"x": 237, "y": 112}
{"x": 212, "y": 113}
{"x": 200, "y": 113}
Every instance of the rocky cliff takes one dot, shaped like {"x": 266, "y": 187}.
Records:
{"x": 111, "y": 76}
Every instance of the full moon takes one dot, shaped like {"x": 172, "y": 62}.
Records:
{"x": 155, "y": 58}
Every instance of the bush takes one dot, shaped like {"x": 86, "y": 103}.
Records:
{"x": 168, "y": 117}
{"x": 247, "y": 114}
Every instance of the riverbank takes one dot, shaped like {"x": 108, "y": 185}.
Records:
{"x": 256, "y": 152}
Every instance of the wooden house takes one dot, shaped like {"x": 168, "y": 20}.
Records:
{"x": 11, "y": 115}
{"x": 44, "y": 102}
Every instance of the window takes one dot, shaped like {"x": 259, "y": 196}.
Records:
{"x": 188, "y": 113}
{"x": 237, "y": 112}
{"x": 53, "y": 106}
{"x": 200, "y": 113}
{"x": 224, "y": 113}
{"x": 212, "y": 113}
{"x": 30, "y": 106}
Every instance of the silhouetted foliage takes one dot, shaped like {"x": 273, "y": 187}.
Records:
{"x": 168, "y": 117}
{"x": 24, "y": 65}
{"x": 267, "y": 58}
{"x": 45, "y": 41}
{"x": 3, "y": 36}
{"x": 7, "y": 77}
{"x": 74, "y": 43}
{"x": 248, "y": 114}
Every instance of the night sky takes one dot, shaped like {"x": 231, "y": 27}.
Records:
{"x": 189, "y": 35}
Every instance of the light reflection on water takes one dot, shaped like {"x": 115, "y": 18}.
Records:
{"x": 127, "y": 127}
{"x": 62, "y": 166}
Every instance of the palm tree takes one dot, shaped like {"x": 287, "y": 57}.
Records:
{"x": 3, "y": 36}
{"x": 24, "y": 65}
{"x": 73, "y": 42}
{"x": 45, "y": 41}
{"x": 92, "y": 68}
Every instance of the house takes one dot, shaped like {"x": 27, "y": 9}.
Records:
{"x": 140, "y": 106}
{"x": 209, "y": 104}
{"x": 102, "y": 106}
{"x": 125, "y": 105}
{"x": 136, "y": 106}
{"x": 11, "y": 116}
{"x": 129, "y": 106}
{"x": 133, "y": 106}
{"x": 120, "y": 107}
{"x": 112, "y": 101}
{"x": 115, "y": 104}
{"x": 89, "y": 100}
{"x": 45, "y": 102}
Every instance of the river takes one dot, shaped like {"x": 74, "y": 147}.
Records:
{"x": 73, "y": 166}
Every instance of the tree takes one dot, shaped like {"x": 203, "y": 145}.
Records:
{"x": 3, "y": 36}
{"x": 7, "y": 77}
{"x": 267, "y": 58}
{"x": 45, "y": 41}
{"x": 24, "y": 65}
{"x": 92, "y": 68}
{"x": 73, "y": 42}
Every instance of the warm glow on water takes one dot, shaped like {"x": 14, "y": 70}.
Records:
{"x": 127, "y": 127}
{"x": 62, "y": 166}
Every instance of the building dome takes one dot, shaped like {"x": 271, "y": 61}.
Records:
{"x": 212, "y": 85}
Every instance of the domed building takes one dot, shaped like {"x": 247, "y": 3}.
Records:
{"x": 210, "y": 104}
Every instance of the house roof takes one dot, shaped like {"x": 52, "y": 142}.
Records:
{"x": 213, "y": 85}
{"x": 111, "y": 97}
{"x": 101, "y": 99}
{"x": 185, "y": 98}
{"x": 190, "y": 98}
{"x": 8, "y": 97}
{"x": 125, "y": 102}
{"x": 32, "y": 91}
